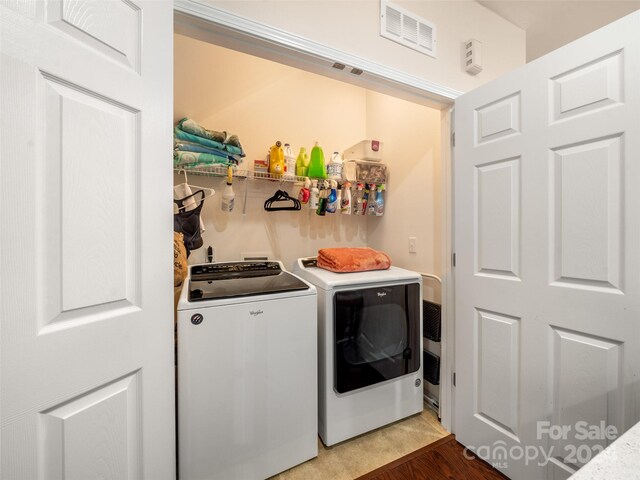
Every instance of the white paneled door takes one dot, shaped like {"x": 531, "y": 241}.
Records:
{"x": 86, "y": 343}
{"x": 547, "y": 237}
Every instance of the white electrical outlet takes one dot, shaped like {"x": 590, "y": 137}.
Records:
{"x": 412, "y": 244}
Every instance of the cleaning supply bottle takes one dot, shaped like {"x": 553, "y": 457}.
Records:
{"x": 359, "y": 200}
{"x": 314, "y": 195}
{"x": 371, "y": 207}
{"x": 290, "y": 162}
{"x": 339, "y": 200}
{"x": 379, "y": 201}
{"x": 345, "y": 205}
{"x": 316, "y": 164}
{"x": 332, "y": 199}
{"x": 334, "y": 168}
{"x": 276, "y": 160}
{"x": 302, "y": 163}
{"x": 305, "y": 193}
{"x": 365, "y": 200}
{"x": 322, "y": 199}
{"x": 228, "y": 197}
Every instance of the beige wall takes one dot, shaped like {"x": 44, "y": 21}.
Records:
{"x": 413, "y": 201}
{"x": 262, "y": 102}
{"x": 353, "y": 27}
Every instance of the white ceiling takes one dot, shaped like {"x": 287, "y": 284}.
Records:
{"x": 550, "y": 24}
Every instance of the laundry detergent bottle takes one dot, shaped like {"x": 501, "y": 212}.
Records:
{"x": 334, "y": 169}
{"x": 302, "y": 163}
{"x": 316, "y": 163}
{"x": 290, "y": 162}
{"x": 276, "y": 159}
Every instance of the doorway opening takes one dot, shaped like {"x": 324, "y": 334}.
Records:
{"x": 267, "y": 90}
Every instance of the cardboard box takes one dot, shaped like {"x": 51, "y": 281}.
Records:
{"x": 261, "y": 166}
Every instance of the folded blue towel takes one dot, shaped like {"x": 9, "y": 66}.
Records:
{"x": 195, "y": 147}
{"x": 181, "y": 158}
{"x": 182, "y": 135}
{"x": 233, "y": 149}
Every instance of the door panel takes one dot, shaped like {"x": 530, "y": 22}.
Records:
{"x": 96, "y": 435}
{"x": 547, "y": 241}
{"x": 497, "y": 186}
{"x": 498, "y": 357}
{"x": 93, "y": 23}
{"x": 86, "y": 338}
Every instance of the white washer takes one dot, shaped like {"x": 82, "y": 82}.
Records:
{"x": 247, "y": 371}
{"x": 369, "y": 348}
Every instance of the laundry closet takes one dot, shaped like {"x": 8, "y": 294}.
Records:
{"x": 263, "y": 101}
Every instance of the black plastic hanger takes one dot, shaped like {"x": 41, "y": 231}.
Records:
{"x": 286, "y": 201}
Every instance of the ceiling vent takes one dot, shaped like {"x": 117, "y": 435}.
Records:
{"x": 406, "y": 28}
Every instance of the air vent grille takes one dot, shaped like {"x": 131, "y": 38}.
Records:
{"x": 406, "y": 28}
{"x": 394, "y": 21}
{"x": 410, "y": 29}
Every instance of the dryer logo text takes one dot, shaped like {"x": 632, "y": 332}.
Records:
{"x": 255, "y": 313}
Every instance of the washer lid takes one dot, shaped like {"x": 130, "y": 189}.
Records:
{"x": 240, "y": 279}
{"x": 327, "y": 280}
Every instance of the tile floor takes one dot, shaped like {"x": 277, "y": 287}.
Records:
{"x": 355, "y": 457}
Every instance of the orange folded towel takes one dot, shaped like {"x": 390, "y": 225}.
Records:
{"x": 343, "y": 260}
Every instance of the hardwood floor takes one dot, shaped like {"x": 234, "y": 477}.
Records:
{"x": 442, "y": 460}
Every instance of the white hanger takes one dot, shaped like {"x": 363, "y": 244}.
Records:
{"x": 208, "y": 192}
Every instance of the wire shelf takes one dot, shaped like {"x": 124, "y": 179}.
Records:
{"x": 221, "y": 171}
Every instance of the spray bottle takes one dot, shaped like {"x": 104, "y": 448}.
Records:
{"x": 371, "y": 207}
{"x": 379, "y": 201}
{"x": 359, "y": 200}
{"x": 314, "y": 195}
{"x": 305, "y": 193}
{"x": 332, "y": 199}
{"x": 228, "y": 196}
{"x": 365, "y": 200}
{"x": 345, "y": 205}
{"x": 322, "y": 200}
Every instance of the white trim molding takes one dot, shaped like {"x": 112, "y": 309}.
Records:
{"x": 278, "y": 39}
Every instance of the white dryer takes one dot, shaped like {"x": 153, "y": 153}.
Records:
{"x": 369, "y": 348}
{"x": 247, "y": 372}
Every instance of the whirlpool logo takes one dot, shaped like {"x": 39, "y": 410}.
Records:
{"x": 255, "y": 313}
{"x": 382, "y": 294}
